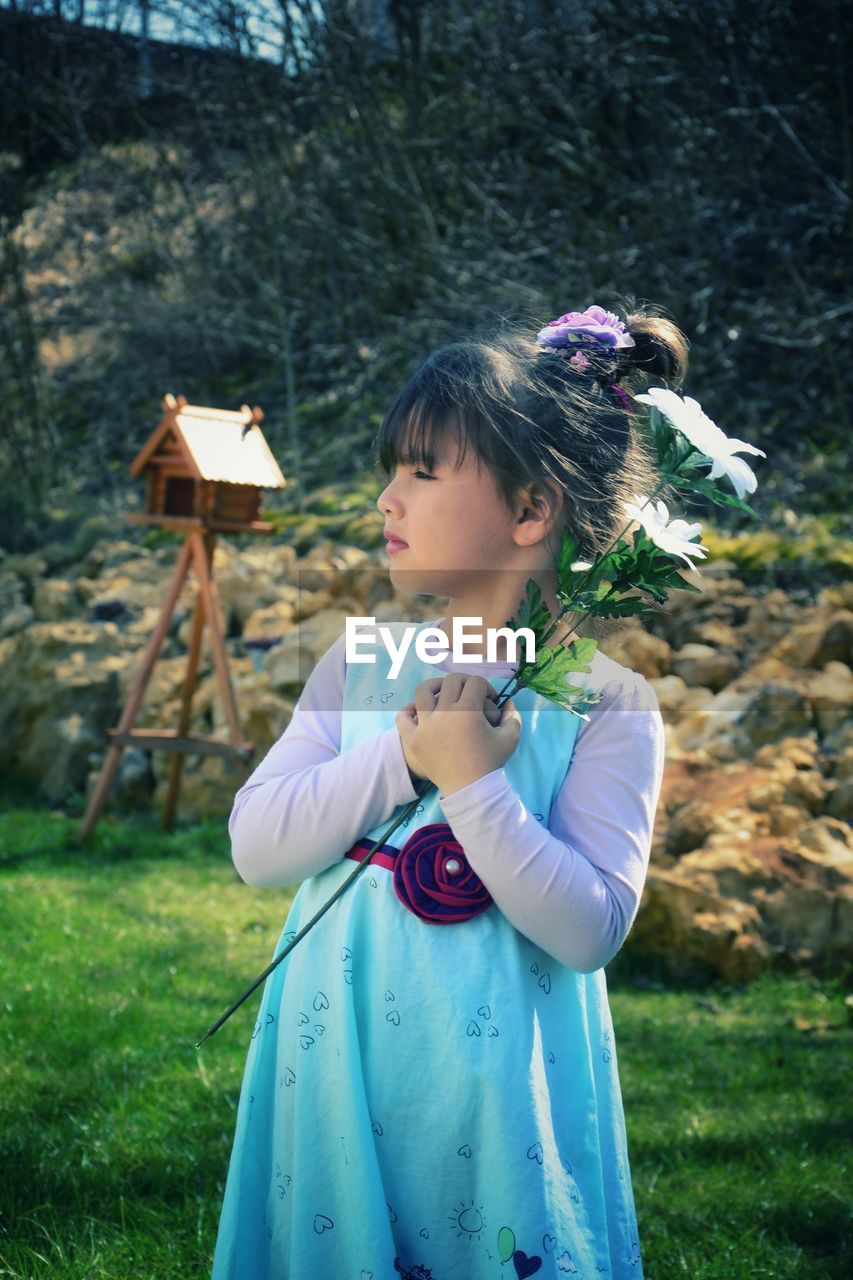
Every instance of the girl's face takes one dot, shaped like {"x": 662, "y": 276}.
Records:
{"x": 453, "y": 521}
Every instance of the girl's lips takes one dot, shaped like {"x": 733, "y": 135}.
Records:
{"x": 394, "y": 544}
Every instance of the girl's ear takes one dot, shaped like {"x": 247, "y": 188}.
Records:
{"x": 538, "y": 509}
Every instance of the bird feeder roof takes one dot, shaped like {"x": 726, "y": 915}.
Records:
{"x": 217, "y": 444}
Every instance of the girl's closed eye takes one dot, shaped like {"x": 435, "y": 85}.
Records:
{"x": 417, "y": 472}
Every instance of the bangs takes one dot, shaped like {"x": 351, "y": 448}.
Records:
{"x": 425, "y": 424}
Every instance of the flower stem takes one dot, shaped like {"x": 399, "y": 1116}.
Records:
{"x": 363, "y": 862}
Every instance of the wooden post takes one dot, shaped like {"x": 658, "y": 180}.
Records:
{"x": 208, "y": 595}
{"x": 134, "y": 701}
{"x": 177, "y": 762}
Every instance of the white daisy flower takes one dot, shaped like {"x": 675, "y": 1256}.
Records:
{"x": 672, "y": 536}
{"x": 688, "y": 417}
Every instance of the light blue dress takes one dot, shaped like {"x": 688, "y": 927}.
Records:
{"x": 423, "y": 1100}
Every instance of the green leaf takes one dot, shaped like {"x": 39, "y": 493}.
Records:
{"x": 555, "y": 663}
{"x": 566, "y": 557}
{"x": 533, "y": 613}
{"x": 711, "y": 489}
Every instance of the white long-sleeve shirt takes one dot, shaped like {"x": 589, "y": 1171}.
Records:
{"x": 572, "y": 886}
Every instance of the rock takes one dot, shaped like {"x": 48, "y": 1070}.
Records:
{"x": 699, "y": 664}
{"x": 677, "y": 701}
{"x": 769, "y": 619}
{"x": 15, "y": 613}
{"x": 767, "y": 792}
{"x": 110, "y": 610}
{"x": 719, "y": 635}
{"x": 794, "y": 753}
{"x": 800, "y": 920}
{"x": 689, "y": 924}
{"x": 807, "y": 788}
{"x": 721, "y": 600}
{"x": 273, "y": 621}
{"x": 824, "y": 636}
{"x": 740, "y": 907}
{"x": 349, "y": 567}
{"x": 12, "y": 591}
{"x": 208, "y": 787}
{"x": 263, "y": 715}
{"x": 671, "y": 693}
{"x": 773, "y": 711}
{"x": 735, "y": 870}
{"x": 843, "y": 765}
{"x": 786, "y": 819}
{"x": 138, "y": 585}
{"x": 110, "y": 555}
{"x": 733, "y": 822}
{"x": 30, "y": 566}
{"x": 840, "y": 801}
{"x": 716, "y": 722}
{"x": 54, "y": 599}
{"x": 15, "y": 619}
{"x": 245, "y": 583}
{"x": 59, "y": 693}
{"x": 830, "y": 695}
{"x": 639, "y": 650}
{"x": 291, "y": 662}
{"x": 828, "y": 843}
{"x": 308, "y": 602}
{"x": 134, "y": 783}
{"x": 688, "y": 827}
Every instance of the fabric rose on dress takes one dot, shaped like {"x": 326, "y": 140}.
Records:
{"x": 593, "y": 328}
{"x": 434, "y": 879}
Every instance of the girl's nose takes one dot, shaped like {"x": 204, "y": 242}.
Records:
{"x": 386, "y": 499}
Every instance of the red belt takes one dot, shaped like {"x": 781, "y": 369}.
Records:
{"x": 385, "y": 855}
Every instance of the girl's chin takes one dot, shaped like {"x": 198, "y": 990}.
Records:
{"x": 415, "y": 581}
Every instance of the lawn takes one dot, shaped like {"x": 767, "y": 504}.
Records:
{"x": 116, "y": 1131}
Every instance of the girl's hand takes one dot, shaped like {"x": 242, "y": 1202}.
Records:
{"x": 453, "y": 733}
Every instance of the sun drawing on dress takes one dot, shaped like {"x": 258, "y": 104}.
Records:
{"x": 469, "y": 1220}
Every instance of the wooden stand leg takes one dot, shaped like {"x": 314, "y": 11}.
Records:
{"x": 134, "y": 701}
{"x": 203, "y": 557}
{"x": 177, "y": 762}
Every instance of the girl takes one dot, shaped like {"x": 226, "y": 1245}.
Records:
{"x": 431, "y": 1089}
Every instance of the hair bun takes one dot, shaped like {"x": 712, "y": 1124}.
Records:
{"x": 659, "y": 347}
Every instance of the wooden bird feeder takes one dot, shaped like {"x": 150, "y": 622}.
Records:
{"x": 205, "y": 472}
{"x": 206, "y": 469}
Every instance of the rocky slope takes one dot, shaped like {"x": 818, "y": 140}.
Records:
{"x": 752, "y": 864}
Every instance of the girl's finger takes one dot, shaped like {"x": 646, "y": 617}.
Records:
{"x": 492, "y": 712}
{"x": 425, "y": 695}
{"x": 510, "y": 714}
{"x": 476, "y": 690}
{"x": 406, "y": 717}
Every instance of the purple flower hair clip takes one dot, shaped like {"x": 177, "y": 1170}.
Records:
{"x": 595, "y": 329}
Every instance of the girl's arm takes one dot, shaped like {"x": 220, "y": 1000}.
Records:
{"x": 306, "y": 803}
{"x": 574, "y": 888}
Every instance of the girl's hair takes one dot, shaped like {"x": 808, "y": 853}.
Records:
{"x": 535, "y": 420}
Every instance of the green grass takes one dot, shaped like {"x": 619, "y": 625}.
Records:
{"x": 115, "y": 1131}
